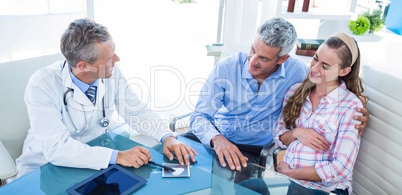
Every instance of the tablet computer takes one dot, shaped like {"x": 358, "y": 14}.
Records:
{"x": 112, "y": 180}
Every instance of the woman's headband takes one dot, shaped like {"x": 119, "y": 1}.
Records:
{"x": 350, "y": 43}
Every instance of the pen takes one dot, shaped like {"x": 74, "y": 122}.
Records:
{"x": 163, "y": 166}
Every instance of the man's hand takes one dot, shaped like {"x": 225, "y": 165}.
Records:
{"x": 311, "y": 139}
{"x": 134, "y": 157}
{"x": 171, "y": 144}
{"x": 225, "y": 148}
{"x": 364, "y": 119}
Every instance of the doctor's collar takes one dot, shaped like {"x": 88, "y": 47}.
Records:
{"x": 81, "y": 85}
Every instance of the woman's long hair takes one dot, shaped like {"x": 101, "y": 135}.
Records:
{"x": 353, "y": 82}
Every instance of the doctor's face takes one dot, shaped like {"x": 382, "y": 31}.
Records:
{"x": 103, "y": 67}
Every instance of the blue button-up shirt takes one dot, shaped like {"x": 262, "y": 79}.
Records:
{"x": 230, "y": 103}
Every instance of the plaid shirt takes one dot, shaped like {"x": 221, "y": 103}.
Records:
{"x": 333, "y": 119}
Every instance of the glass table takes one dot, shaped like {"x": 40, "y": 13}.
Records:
{"x": 207, "y": 175}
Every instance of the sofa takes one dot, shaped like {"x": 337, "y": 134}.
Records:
{"x": 378, "y": 169}
{"x": 14, "y": 120}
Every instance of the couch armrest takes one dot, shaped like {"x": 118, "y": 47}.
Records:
{"x": 278, "y": 156}
{"x": 7, "y": 166}
{"x": 264, "y": 153}
{"x": 172, "y": 124}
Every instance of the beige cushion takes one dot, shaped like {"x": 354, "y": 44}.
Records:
{"x": 378, "y": 169}
{"x": 13, "y": 113}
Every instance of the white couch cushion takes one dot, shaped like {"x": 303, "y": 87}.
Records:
{"x": 13, "y": 113}
{"x": 378, "y": 169}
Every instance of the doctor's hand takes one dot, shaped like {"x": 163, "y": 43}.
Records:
{"x": 134, "y": 157}
{"x": 171, "y": 144}
{"x": 225, "y": 148}
{"x": 311, "y": 139}
{"x": 364, "y": 119}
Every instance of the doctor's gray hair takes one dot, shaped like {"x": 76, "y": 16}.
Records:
{"x": 278, "y": 32}
{"x": 78, "y": 42}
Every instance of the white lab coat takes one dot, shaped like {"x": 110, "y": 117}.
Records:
{"x": 52, "y": 136}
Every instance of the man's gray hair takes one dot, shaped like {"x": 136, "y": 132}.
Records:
{"x": 78, "y": 42}
{"x": 278, "y": 32}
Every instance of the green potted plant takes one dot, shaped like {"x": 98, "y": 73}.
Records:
{"x": 376, "y": 20}
{"x": 359, "y": 26}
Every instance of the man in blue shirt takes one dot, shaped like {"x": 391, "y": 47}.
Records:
{"x": 241, "y": 101}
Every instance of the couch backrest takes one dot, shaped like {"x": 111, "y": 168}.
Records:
{"x": 13, "y": 113}
{"x": 378, "y": 169}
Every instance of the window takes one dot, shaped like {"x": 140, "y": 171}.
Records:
{"x": 31, "y": 28}
{"x": 40, "y": 7}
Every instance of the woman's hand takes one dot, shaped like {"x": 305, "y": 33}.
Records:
{"x": 284, "y": 168}
{"x": 307, "y": 173}
{"x": 311, "y": 139}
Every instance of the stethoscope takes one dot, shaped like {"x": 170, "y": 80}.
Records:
{"x": 103, "y": 122}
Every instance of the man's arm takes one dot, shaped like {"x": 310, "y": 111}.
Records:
{"x": 202, "y": 122}
{"x": 210, "y": 100}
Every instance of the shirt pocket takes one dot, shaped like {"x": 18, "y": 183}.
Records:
{"x": 327, "y": 129}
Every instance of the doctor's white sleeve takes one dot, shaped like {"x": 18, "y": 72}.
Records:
{"x": 136, "y": 113}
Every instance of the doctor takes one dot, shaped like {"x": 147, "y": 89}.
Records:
{"x": 70, "y": 103}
